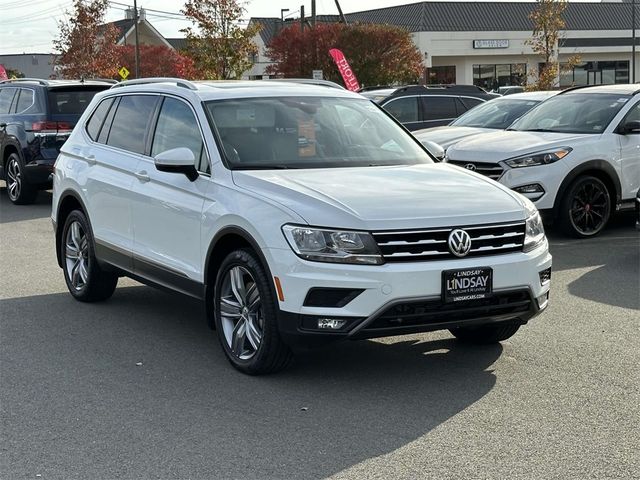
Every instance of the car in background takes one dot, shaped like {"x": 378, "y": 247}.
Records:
{"x": 576, "y": 156}
{"x": 424, "y": 106}
{"x": 36, "y": 117}
{"x": 496, "y": 114}
{"x": 510, "y": 90}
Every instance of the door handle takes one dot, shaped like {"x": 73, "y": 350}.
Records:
{"x": 143, "y": 176}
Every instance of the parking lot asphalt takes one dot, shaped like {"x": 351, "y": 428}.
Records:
{"x": 138, "y": 387}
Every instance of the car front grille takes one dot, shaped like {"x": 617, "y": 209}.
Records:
{"x": 492, "y": 170}
{"x": 421, "y": 313}
{"x": 432, "y": 244}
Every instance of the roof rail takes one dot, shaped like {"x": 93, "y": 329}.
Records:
{"x": 106, "y": 80}
{"x": 38, "y": 80}
{"x": 309, "y": 81}
{"x": 144, "y": 81}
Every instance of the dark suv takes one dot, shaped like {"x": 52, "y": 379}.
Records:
{"x": 36, "y": 117}
{"x": 425, "y": 106}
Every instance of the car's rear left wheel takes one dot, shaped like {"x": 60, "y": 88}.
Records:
{"x": 20, "y": 192}
{"x": 86, "y": 281}
{"x": 245, "y": 312}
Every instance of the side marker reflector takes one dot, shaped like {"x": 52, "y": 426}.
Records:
{"x": 279, "y": 289}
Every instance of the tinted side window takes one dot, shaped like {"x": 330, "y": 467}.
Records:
{"x": 97, "y": 119}
{"x": 439, "y": 108}
{"x": 404, "y": 109}
{"x": 471, "y": 102}
{"x": 131, "y": 122}
{"x": 25, "y": 100}
{"x": 460, "y": 107}
{"x": 178, "y": 127}
{"x": 6, "y": 96}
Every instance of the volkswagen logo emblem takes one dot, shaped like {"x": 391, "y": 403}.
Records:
{"x": 470, "y": 166}
{"x": 459, "y": 243}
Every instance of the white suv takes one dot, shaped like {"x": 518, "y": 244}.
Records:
{"x": 576, "y": 156}
{"x": 300, "y": 215}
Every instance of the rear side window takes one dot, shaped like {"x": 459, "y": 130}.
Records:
{"x": 131, "y": 122}
{"x": 404, "y": 109}
{"x": 25, "y": 100}
{"x": 178, "y": 127}
{"x": 97, "y": 119}
{"x": 471, "y": 102}
{"x": 439, "y": 108}
{"x": 65, "y": 101}
{"x": 6, "y": 97}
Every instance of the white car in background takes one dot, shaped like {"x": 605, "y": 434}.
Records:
{"x": 576, "y": 156}
{"x": 496, "y": 114}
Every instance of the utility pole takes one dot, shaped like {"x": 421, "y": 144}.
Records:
{"x": 343, "y": 19}
{"x": 633, "y": 41}
{"x": 302, "y": 18}
{"x": 135, "y": 26}
{"x": 313, "y": 13}
{"x": 282, "y": 10}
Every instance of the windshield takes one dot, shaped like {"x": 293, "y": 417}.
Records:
{"x": 573, "y": 113}
{"x": 310, "y": 132}
{"x": 495, "y": 114}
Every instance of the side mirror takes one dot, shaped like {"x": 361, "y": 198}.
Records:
{"x": 629, "y": 127}
{"x": 3, "y": 125}
{"x": 177, "y": 160}
{"x": 434, "y": 149}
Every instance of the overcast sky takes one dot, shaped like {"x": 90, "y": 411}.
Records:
{"x": 30, "y": 25}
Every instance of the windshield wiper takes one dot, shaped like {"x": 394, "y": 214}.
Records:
{"x": 539, "y": 130}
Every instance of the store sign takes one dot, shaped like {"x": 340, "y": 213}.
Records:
{"x": 491, "y": 44}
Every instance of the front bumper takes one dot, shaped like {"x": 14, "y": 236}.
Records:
{"x": 411, "y": 284}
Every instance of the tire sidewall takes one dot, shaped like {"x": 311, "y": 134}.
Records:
{"x": 567, "y": 221}
{"x": 24, "y": 188}
{"x": 247, "y": 259}
{"x": 78, "y": 216}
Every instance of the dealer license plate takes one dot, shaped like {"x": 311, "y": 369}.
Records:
{"x": 467, "y": 284}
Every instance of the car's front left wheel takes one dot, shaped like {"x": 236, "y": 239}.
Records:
{"x": 85, "y": 279}
{"x": 245, "y": 312}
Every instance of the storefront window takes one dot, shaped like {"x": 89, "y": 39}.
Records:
{"x": 441, "y": 75}
{"x": 595, "y": 73}
{"x": 490, "y": 77}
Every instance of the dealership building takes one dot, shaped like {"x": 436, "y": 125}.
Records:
{"x": 485, "y": 43}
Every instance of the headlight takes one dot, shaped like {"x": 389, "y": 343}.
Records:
{"x": 334, "y": 246}
{"x": 534, "y": 235}
{"x": 536, "y": 159}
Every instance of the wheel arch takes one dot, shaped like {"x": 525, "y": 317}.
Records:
{"x": 598, "y": 168}
{"x": 69, "y": 201}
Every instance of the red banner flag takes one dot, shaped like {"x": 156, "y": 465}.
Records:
{"x": 3, "y": 73}
{"x": 350, "y": 80}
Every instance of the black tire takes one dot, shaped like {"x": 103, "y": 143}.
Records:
{"x": 19, "y": 192}
{"x": 485, "y": 334}
{"x": 257, "y": 314}
{"x": 585, "y": 208}
{"x": 95, "y": 284}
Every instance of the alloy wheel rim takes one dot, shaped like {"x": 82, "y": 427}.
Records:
{"x": 589, "y": 208}
{"x": 14, "y": 179}
{"x": 241, "y": 313}
{"x": 76, "y": 255}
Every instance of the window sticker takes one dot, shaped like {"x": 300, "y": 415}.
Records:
{"x": 306, "y": 138}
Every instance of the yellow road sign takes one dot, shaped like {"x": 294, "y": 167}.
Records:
{"x": 124, "y": 73}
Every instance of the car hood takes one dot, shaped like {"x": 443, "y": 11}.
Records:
{"x": 447, "y": 136}
{"x": 501, "y": 145}
{"x": 381, "y": 198}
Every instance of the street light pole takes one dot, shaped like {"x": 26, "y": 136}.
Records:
{"x": 135, "y": 27}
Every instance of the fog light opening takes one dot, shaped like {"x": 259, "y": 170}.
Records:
{"x": 545, "y": 276}
{"x": 331, "y": 323}
{"x": 532, "y": 191}
{"x": 543, "y": 300}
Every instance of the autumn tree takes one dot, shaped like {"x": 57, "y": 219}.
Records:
{"x": 87, "y": 48}
{"x": 378, "y": 54}
{"x": 157, "y": 61}
{"x": 548, "y": 24}
{"x": 218, "y": 45}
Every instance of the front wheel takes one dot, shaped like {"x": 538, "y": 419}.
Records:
{"x": 485, "y": 334}
{"x": 245, "y": 312}
{"x": 585, "y": 208}
{"x": 86, "y": 281}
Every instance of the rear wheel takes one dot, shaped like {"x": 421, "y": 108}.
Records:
{"x": 485, "y": 334}
{"x": 585, "y": 208}
{"x": 20, "y": 192}
{"x": 86, "y": 281}
{"x": 245, "y": 312}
